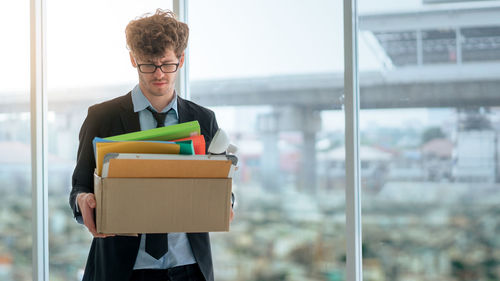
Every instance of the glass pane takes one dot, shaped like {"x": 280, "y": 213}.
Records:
{"x": 481, "y": 43}
{"x": 429, "y": 144}
{"x": 88, "y": 62}
{"x": 400, "y": 47}
{"x": 439, "y": 46}
{"x": 15, "y": 143}
{"x": 273, "y": 73}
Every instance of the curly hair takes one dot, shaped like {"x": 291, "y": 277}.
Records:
{"x": 150, "y": 36}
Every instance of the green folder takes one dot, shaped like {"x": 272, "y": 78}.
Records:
{"x": 186, "y": 147}
{"x": 167, "y": 133}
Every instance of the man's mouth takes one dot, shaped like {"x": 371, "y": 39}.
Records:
{"x": 158, "y": 83}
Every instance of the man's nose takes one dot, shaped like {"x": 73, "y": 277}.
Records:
{"x": 158, "y": 73}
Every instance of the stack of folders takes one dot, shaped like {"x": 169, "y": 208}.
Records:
{"x": 176, "y": 151}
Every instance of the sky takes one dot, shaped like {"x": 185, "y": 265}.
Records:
{"x": 228, "y": 39}
{"x": 86, "y": 42}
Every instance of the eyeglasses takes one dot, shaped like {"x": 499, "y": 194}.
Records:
{"x": 165, "y": 68}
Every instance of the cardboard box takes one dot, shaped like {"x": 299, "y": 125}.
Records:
{"x": 161, "y": 205}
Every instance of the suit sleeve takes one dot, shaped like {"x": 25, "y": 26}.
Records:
{"x": 82, "y": 179}
{"x": 213, "y": 127}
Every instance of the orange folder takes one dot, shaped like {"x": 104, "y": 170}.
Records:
{"x": 103, "y": 148}
{"x": 156, "y": 168}
{"x": 198, "y": 143}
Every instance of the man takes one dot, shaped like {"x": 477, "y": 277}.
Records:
{"x": 156, "y": 43}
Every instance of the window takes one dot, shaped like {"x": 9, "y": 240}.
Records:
{"x": 273, "y": 73}
{"x": 15, "y": 143}
{"x": 88, "y": 62}
{"x": 430, "y": 208}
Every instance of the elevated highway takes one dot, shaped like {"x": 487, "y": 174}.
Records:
{"x": 426, "y": 86}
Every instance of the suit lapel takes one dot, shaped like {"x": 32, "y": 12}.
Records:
{"x": 129, "y": 118}
{"x": 185, "y": 115}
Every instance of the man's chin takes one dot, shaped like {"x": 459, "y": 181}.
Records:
{"x": 160, "y": 94}
{"x": 160, "y": 89}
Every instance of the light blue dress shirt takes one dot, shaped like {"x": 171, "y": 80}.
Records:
{"x": 179, "y": 250}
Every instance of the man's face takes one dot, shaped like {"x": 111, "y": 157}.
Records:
{"x": 158, "y": 83}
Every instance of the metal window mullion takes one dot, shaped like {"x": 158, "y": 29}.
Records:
{"x": 420, "y": 48}
{"x": 354, "y": 269}
{"x": 458, "y": 46}
{"x": 38, "y": 110}
{"x": 180, "y": 8}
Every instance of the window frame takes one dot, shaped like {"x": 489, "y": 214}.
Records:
{"x": 39, "y": 135}
{"x": 354, "y": 266}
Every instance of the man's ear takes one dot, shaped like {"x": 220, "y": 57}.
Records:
{"x": 132, "y": 60}
{"x": 181, "y": 60}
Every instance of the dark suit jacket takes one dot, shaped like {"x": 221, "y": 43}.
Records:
{"x": 113, "y": 258}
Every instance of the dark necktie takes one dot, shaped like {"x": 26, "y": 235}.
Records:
{"x": 157, "y": 243}
{"x": 159, "y": 117}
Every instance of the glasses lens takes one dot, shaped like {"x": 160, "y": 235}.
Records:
{"x": 167, "y": 68}
{"x": 147, "y": 68}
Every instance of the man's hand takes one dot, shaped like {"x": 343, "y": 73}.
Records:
{"x": 87, "y": 203}
{"x": 231, "y": 216}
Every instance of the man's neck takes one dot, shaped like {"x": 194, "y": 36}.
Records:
{"x": 160, "y": 102}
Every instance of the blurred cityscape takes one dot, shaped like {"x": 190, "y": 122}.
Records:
{"x": 429, "y": 151}
{"x": 425, "y": 217}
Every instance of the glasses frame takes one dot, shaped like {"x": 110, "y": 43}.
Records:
{"x": 157, "y": 66}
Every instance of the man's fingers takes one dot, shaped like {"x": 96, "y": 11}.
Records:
{"x": 88, "y": 218}
{"x": 100, "y": 235}
{"x": 87, "y": 207}
{"x": 87, "y": 204}
{"x": 86, "y": 200}
{"x": 90, "y": 200}
{"x": 90, "y": 224}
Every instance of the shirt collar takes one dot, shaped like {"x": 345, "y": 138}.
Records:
{"x": 140, "y": 102}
